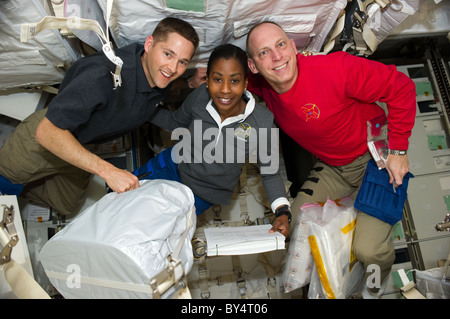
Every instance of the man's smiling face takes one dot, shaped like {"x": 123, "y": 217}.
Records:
{"x": 165, "y": 60}
{"x": 274, "y": 56}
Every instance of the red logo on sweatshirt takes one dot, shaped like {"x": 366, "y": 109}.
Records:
{"x": 311, "y": 111}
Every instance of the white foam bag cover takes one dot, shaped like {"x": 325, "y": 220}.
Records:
{"x": 113, "y": 248}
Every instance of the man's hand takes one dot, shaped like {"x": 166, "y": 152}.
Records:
{"x": 281, "y": 225}
{"x": 198, "y": 78}
{"x": 64, "y": 145}
{"x": 397, "y": 167}
{"x": 120, "y": 180}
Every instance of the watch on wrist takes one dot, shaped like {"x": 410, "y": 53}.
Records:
{"x": 397, "y": 152}
{"x": 283, "y": 210}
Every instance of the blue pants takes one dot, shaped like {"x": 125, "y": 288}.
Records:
{"x": 163, "y": 167}
{"x": 8, "y": 188}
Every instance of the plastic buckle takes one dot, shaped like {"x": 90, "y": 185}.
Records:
{"x": 360, "y": 20}
{"x": 117, "y": 79}
{"x": 109, "y": 52}
{"x": 410, "y": 285}
{"x": 242, "y": 287}
{"x": 168, "y": 281}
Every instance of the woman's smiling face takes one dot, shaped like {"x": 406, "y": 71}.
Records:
{"x": 226, "y": 82}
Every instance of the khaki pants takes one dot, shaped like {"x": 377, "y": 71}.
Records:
{"x": 47, "y": 179}
{"x": 372, "y": 242}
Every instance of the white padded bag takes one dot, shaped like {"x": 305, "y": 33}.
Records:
{"x": 113, "y": 248}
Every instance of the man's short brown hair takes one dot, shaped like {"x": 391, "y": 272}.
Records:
{"x": 183, "y": 28}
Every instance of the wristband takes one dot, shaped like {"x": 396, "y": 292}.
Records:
{"x": 397, "y": 152}
{"x": 283, "y": 210}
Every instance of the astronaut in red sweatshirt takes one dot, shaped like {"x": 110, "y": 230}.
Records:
{"x": 323, "y": 102}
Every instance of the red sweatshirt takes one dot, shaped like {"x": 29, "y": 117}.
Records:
{"x": 327, "y": 109}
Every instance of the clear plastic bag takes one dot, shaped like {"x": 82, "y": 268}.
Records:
{"x": 331, "y": 246}
{"x": 320, "y": 251}
{"x": 299, "y": 261}
{"x": 432, "y": 284}
{"x": 377, "y": 140}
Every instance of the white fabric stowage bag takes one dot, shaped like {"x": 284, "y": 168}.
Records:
{"x": 113, "y": 248}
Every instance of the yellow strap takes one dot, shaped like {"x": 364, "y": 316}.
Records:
{"x": 349, "y": 227}
{"x": 346, "y": 229}
{"x": 320, "y": 267}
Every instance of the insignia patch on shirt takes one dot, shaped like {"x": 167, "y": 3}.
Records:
{"x": 243, "y": 131}
{"x": 311, "y": 111}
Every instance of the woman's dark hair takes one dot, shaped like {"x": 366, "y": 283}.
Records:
{"x": 228, "y": 51}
